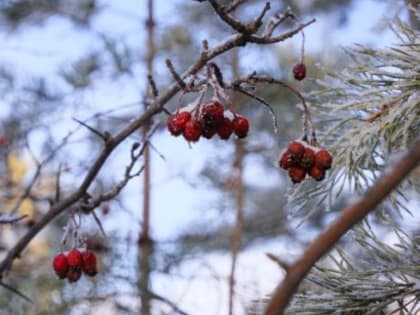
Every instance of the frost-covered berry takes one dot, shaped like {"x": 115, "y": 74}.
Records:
{"x": 286, "y": 160}
{"x": 296, "y": 150}
{"x": 176, "y": 122}
{"x": 212, "y": 114}
{"x": 317, "y": 173}
{"x": 240, "y": 126}
{"x": 308, "y": 159}
{"x": 297, "y": 174}
{"x": 192, "y": 131}
{"x": 323, "y": 159}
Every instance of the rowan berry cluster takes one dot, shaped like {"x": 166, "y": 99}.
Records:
{"x": 207, "y": 121}
{"x": 300, "y": 159}
{"x": 72, "y": 265}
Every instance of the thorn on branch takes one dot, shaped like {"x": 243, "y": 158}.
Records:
{"x": 217, "y": 73}
{"x": 255, "y": 25}
{"x": 152, "y": 83}
{"x": 175, "y": 74}
{"x": 104, "y": 136}
{"x": 285, "y": 266}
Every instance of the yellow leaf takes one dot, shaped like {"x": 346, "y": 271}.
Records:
{"x": 17, "y": 168}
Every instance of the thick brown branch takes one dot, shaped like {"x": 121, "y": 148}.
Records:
{"x": 349, "y": 218}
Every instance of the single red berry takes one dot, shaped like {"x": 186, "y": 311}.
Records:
{"x": 192, "y": 131}
{"x": 296, "y": 150}
{"x": 172, "y": 127}
{"x": 317, "y": 173}
{"x": 225, "y": 129}
{"x": 182, "y": 118}
{"x": 3, "y": 140}
{"x": 323, "y": 159}
{"x": 74, "y": 258}
{"x": 297, "y": 174}
{"x": 212, "y": 114}
{"x": 240, "y": 126}
{"x": 61, "y": 265}
{"x": 308, "y": 159}
{"x": 208, "y": 132}
{"x": 89, "y": 264}
{"x": 299, "y": 71}
{"x": 176, "y": 122}
{"x": 105, "y": 209}
{"x": 74, "y": 275}
{"x": 286, "y": 160}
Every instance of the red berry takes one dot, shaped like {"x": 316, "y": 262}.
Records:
{"x": 182, "y": 118}
{"x": 61, "y": 265}
{"x": 75, "y": 259}
{"x": 240, "y": 126}
{"x": 317, "y": 173}
{"x": 74, "y": 275}
{"x": 176, "y": 122}
{"x": 225, "y": 129}
{"x": 297, "y": 174}
{"x": 3, "y": 140}
{"x": 208, "y": 132}
{"x": 172, "y": 127}
{"x": 89, "y": 264}
{"x": 286, "y": 160}
{"x": 299, "y": 71}
{"x": 323, "y": 159}
{"x": 212, "y": 114}
{"x": 308, "y": 159}
{"x": 296, "y": 150}
{"x": 192, "y": 131}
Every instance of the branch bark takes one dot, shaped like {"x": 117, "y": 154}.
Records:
{"x": 349, "y": 218}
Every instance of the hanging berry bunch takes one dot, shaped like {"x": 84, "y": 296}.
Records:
{"x": 301, "y": 158}
{"x": 208, "y": 118}
{"x": 72, "y": 264}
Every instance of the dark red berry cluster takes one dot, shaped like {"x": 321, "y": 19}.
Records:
{"x": 301, "y": 158}
{"x": 207, "y": 121}
{"x": 72, "y": 265}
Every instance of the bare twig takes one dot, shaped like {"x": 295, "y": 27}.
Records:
{"x": 15, "y": 291}
{"x": 104, "y": 136}
{"x": 10, "y": 219}
{"x": 348, "y": 218}
{"x": 175, "y": 74}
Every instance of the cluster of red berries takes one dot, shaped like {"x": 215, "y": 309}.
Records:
{"x": 300, "y": 159}
{"x": 72, "y": 265}
{"x": 211, "y": 120}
